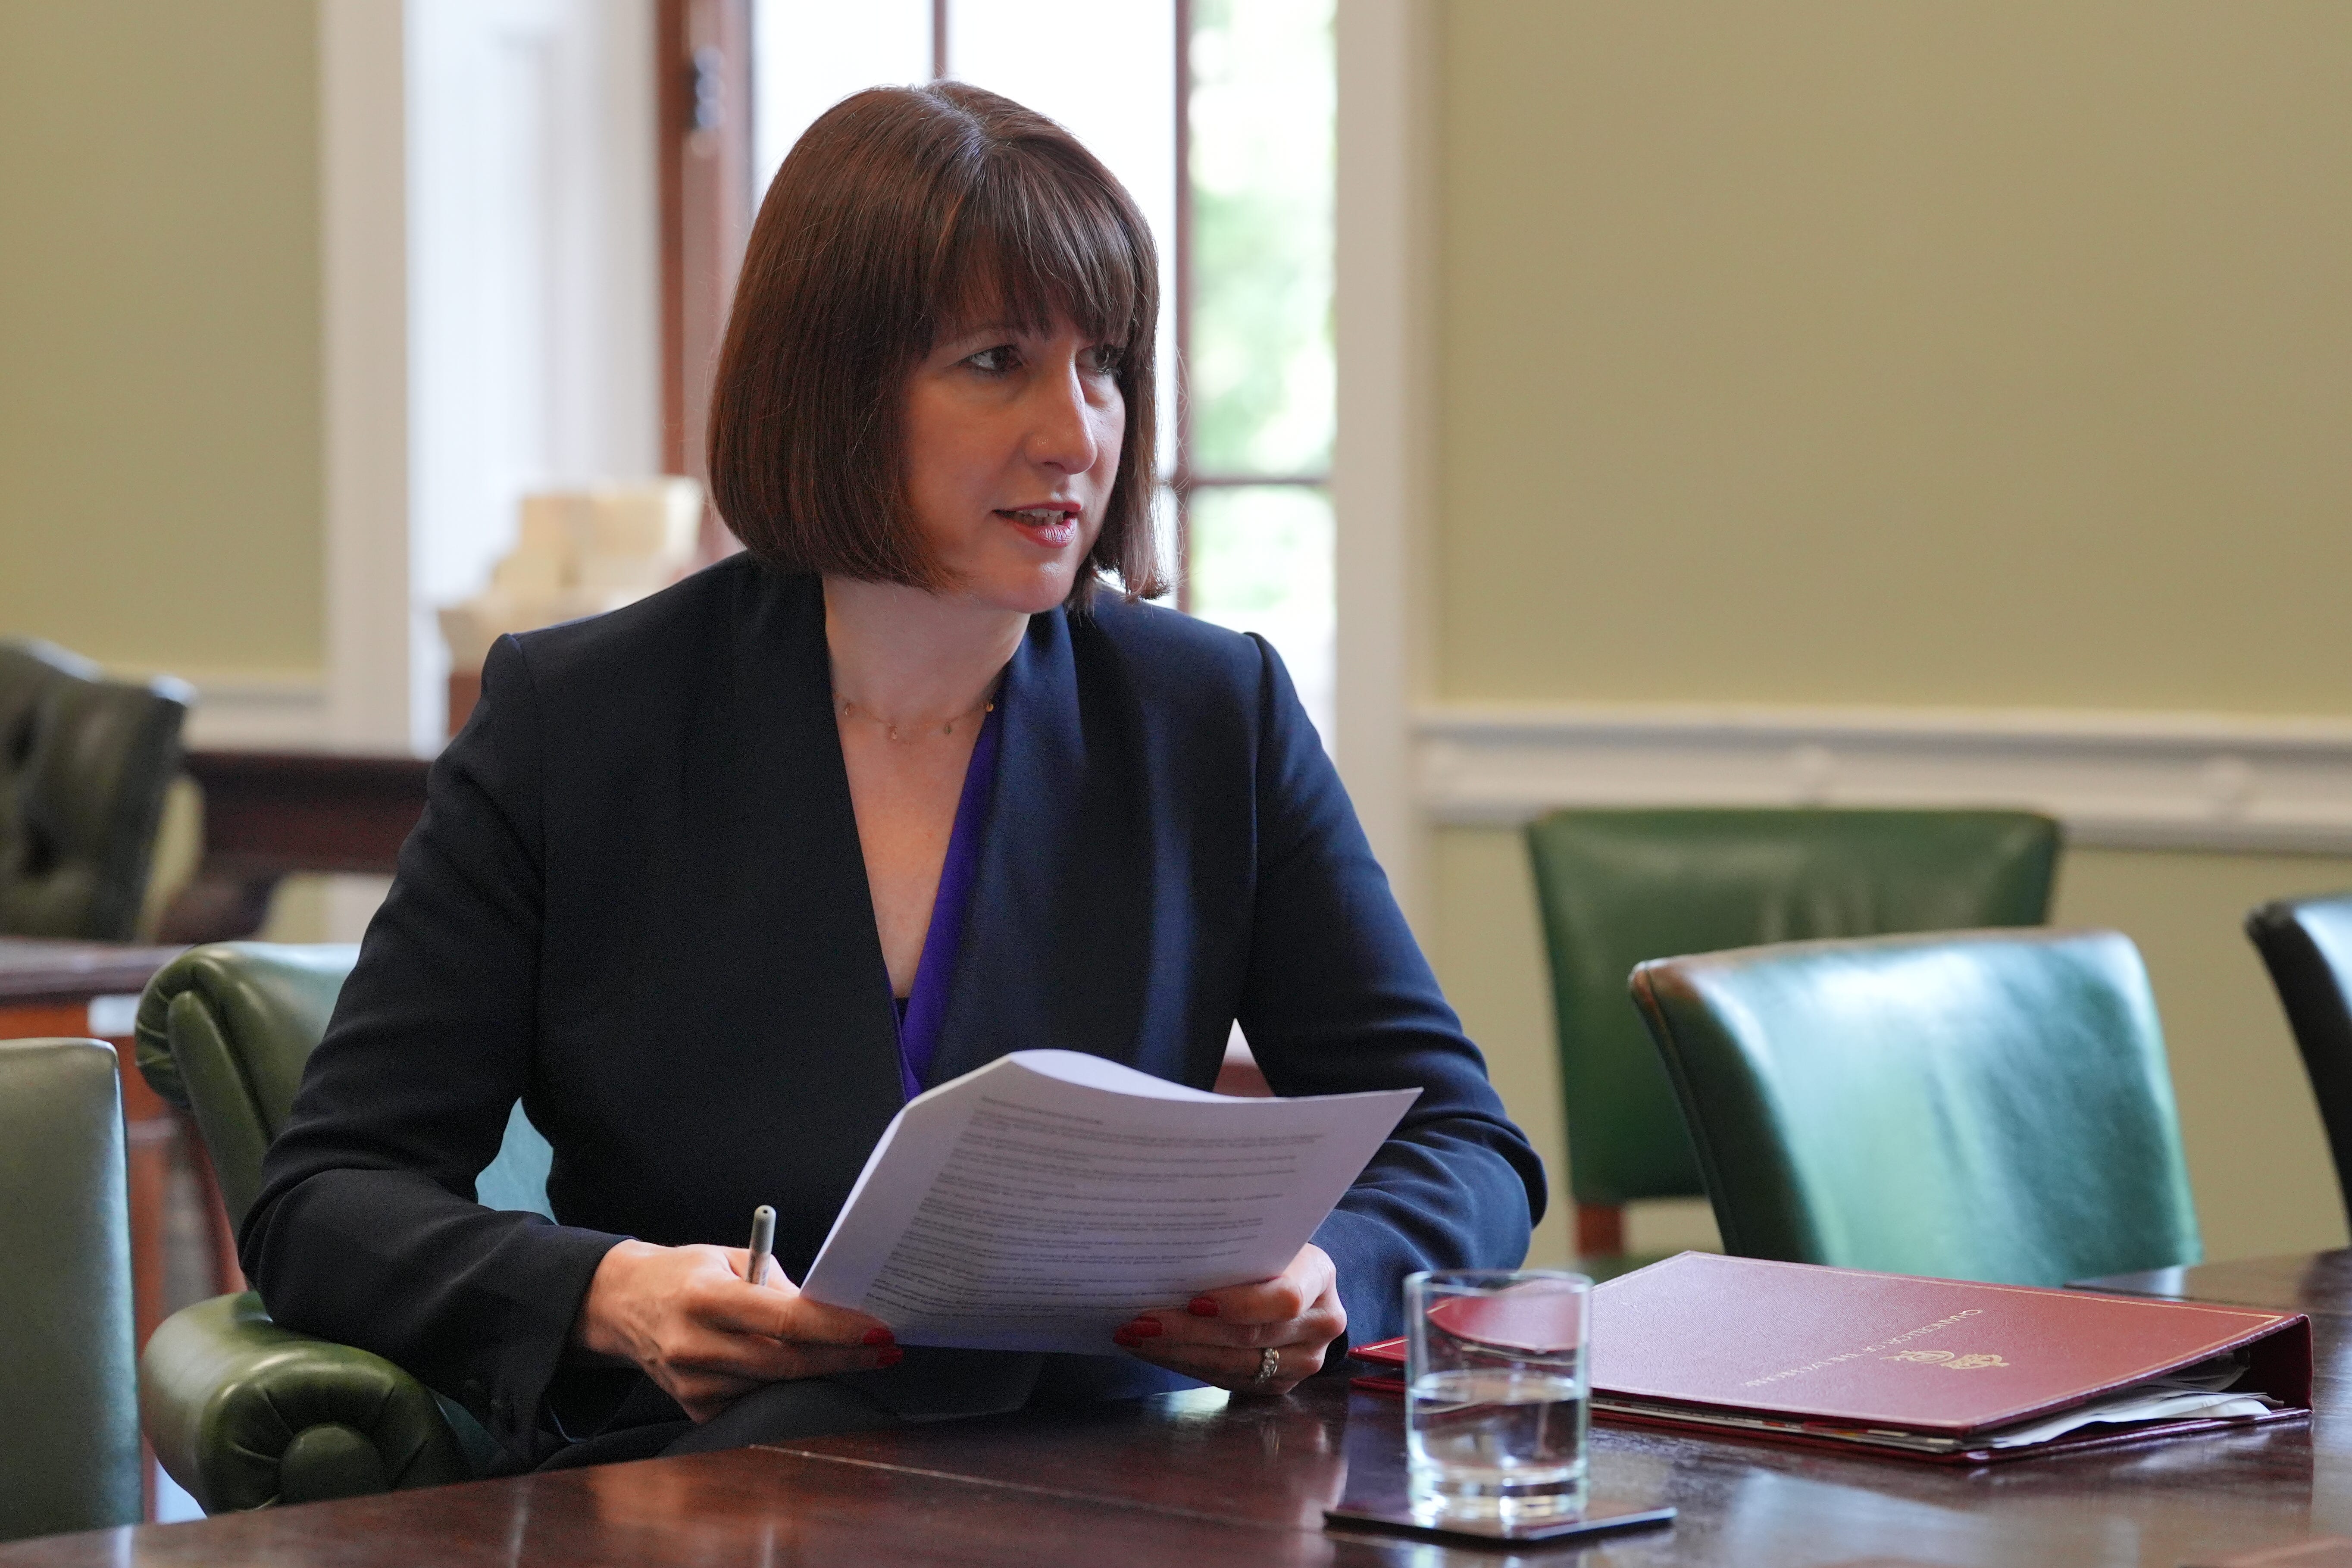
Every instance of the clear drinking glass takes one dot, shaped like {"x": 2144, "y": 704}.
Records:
{"x": 1498, "y": 1393}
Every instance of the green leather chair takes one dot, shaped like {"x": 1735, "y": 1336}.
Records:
{"x": 1971, "y": 1105}
{"x": 242, "y": 1413}
{"x": 2306, "y": 944}
{"x": 1617, "y": 887}
{"x": 69, "y": 1393}
{"x": 85, "y": 763}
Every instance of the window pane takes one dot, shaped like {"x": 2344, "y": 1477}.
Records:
{"x": 1106, "y": 73}
{"x": 1262, "y": 563}
{"x": 809, "y": 54}
{"x": 1262, "y": 109}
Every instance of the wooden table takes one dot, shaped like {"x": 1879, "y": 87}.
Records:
{"x": 2319, "y": 1283}
{"x": 47, "y": 988}
{"x": 1196, "y": 1479}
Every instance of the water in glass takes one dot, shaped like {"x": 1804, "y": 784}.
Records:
{"x": 1497, "y": 1394}
{"x": 1499, "y": 1440}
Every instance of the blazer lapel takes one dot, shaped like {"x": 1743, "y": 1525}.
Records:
{"x": 785, "y": 881}
{"x": 1056, "y": 939}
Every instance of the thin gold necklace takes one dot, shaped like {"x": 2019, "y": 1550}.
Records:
{"x": 890, "y": 727}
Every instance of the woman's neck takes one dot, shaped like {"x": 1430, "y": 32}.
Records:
{"x": 906, "y": 656}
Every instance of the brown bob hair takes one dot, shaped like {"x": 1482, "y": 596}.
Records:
{"x": 901, "y": 215}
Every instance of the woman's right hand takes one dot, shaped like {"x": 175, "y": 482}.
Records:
{"x": 688, "y": 1317}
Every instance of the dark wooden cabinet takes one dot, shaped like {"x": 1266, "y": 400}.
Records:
{"x": 269, "y": 815}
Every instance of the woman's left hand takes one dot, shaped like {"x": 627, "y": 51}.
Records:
{"x": 1221, "y": 1336}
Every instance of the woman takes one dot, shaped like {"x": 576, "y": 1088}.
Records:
{"x": 715, "y": 882}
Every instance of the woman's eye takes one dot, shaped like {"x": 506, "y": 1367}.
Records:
{"x": 1103, "y": 358}
{"x": 995, "y": 361}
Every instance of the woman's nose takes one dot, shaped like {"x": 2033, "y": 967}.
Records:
{"x": 1062, "y": 426}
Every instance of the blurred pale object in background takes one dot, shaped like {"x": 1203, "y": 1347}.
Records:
{"x": 579, "y": 553}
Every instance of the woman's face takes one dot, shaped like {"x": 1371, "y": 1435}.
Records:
{"x": 1012, "y": 444}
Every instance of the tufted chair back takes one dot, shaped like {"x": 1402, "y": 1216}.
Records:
{"x": 84, "y": 765}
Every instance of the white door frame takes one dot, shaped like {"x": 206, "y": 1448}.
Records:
{"x": 364, "y": 245}
{"x": 1384, "y": 460}
{"x": 411, "y": 308}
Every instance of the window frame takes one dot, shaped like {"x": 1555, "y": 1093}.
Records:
{"x": 706, "y": 159}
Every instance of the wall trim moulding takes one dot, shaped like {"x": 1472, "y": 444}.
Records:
{"x": 238, "y": 711}
{"x": 2120, "y": 779}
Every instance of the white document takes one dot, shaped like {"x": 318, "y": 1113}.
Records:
{"x": 1043, "y": 1200}
{"x": 2150, "y": 1401}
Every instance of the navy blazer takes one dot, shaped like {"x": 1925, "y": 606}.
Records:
{"x": 637, "y": 902}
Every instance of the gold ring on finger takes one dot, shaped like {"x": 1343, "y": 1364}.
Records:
{"x": 1269, "y": 1365}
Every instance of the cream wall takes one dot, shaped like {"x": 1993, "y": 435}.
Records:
{"x": 160, "y": 439}
{"x": 1838, "y": 352}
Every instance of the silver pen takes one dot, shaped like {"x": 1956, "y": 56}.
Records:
{"x": 764, "y": 1244}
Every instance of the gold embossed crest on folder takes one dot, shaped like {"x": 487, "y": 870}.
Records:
{"x": 1948, "y": 1360}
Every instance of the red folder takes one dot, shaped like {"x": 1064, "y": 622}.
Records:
{"x": 1920, "y": 1369}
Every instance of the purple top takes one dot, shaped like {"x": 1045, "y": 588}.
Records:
{"x": 921, "y": 1013}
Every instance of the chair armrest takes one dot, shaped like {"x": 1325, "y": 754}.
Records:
{"x": 245, "y": 1413}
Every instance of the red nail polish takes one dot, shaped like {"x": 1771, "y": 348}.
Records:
{"x": 1144, "y": 1329}
{"x": 891, "y": 1356}
{"x": 880, "y": 1337}
{"x": 1125, "y": 1339}
{"x": 1202, "y": 1306}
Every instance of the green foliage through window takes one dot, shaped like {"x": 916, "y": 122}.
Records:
{"x": 1261, "y": 366}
